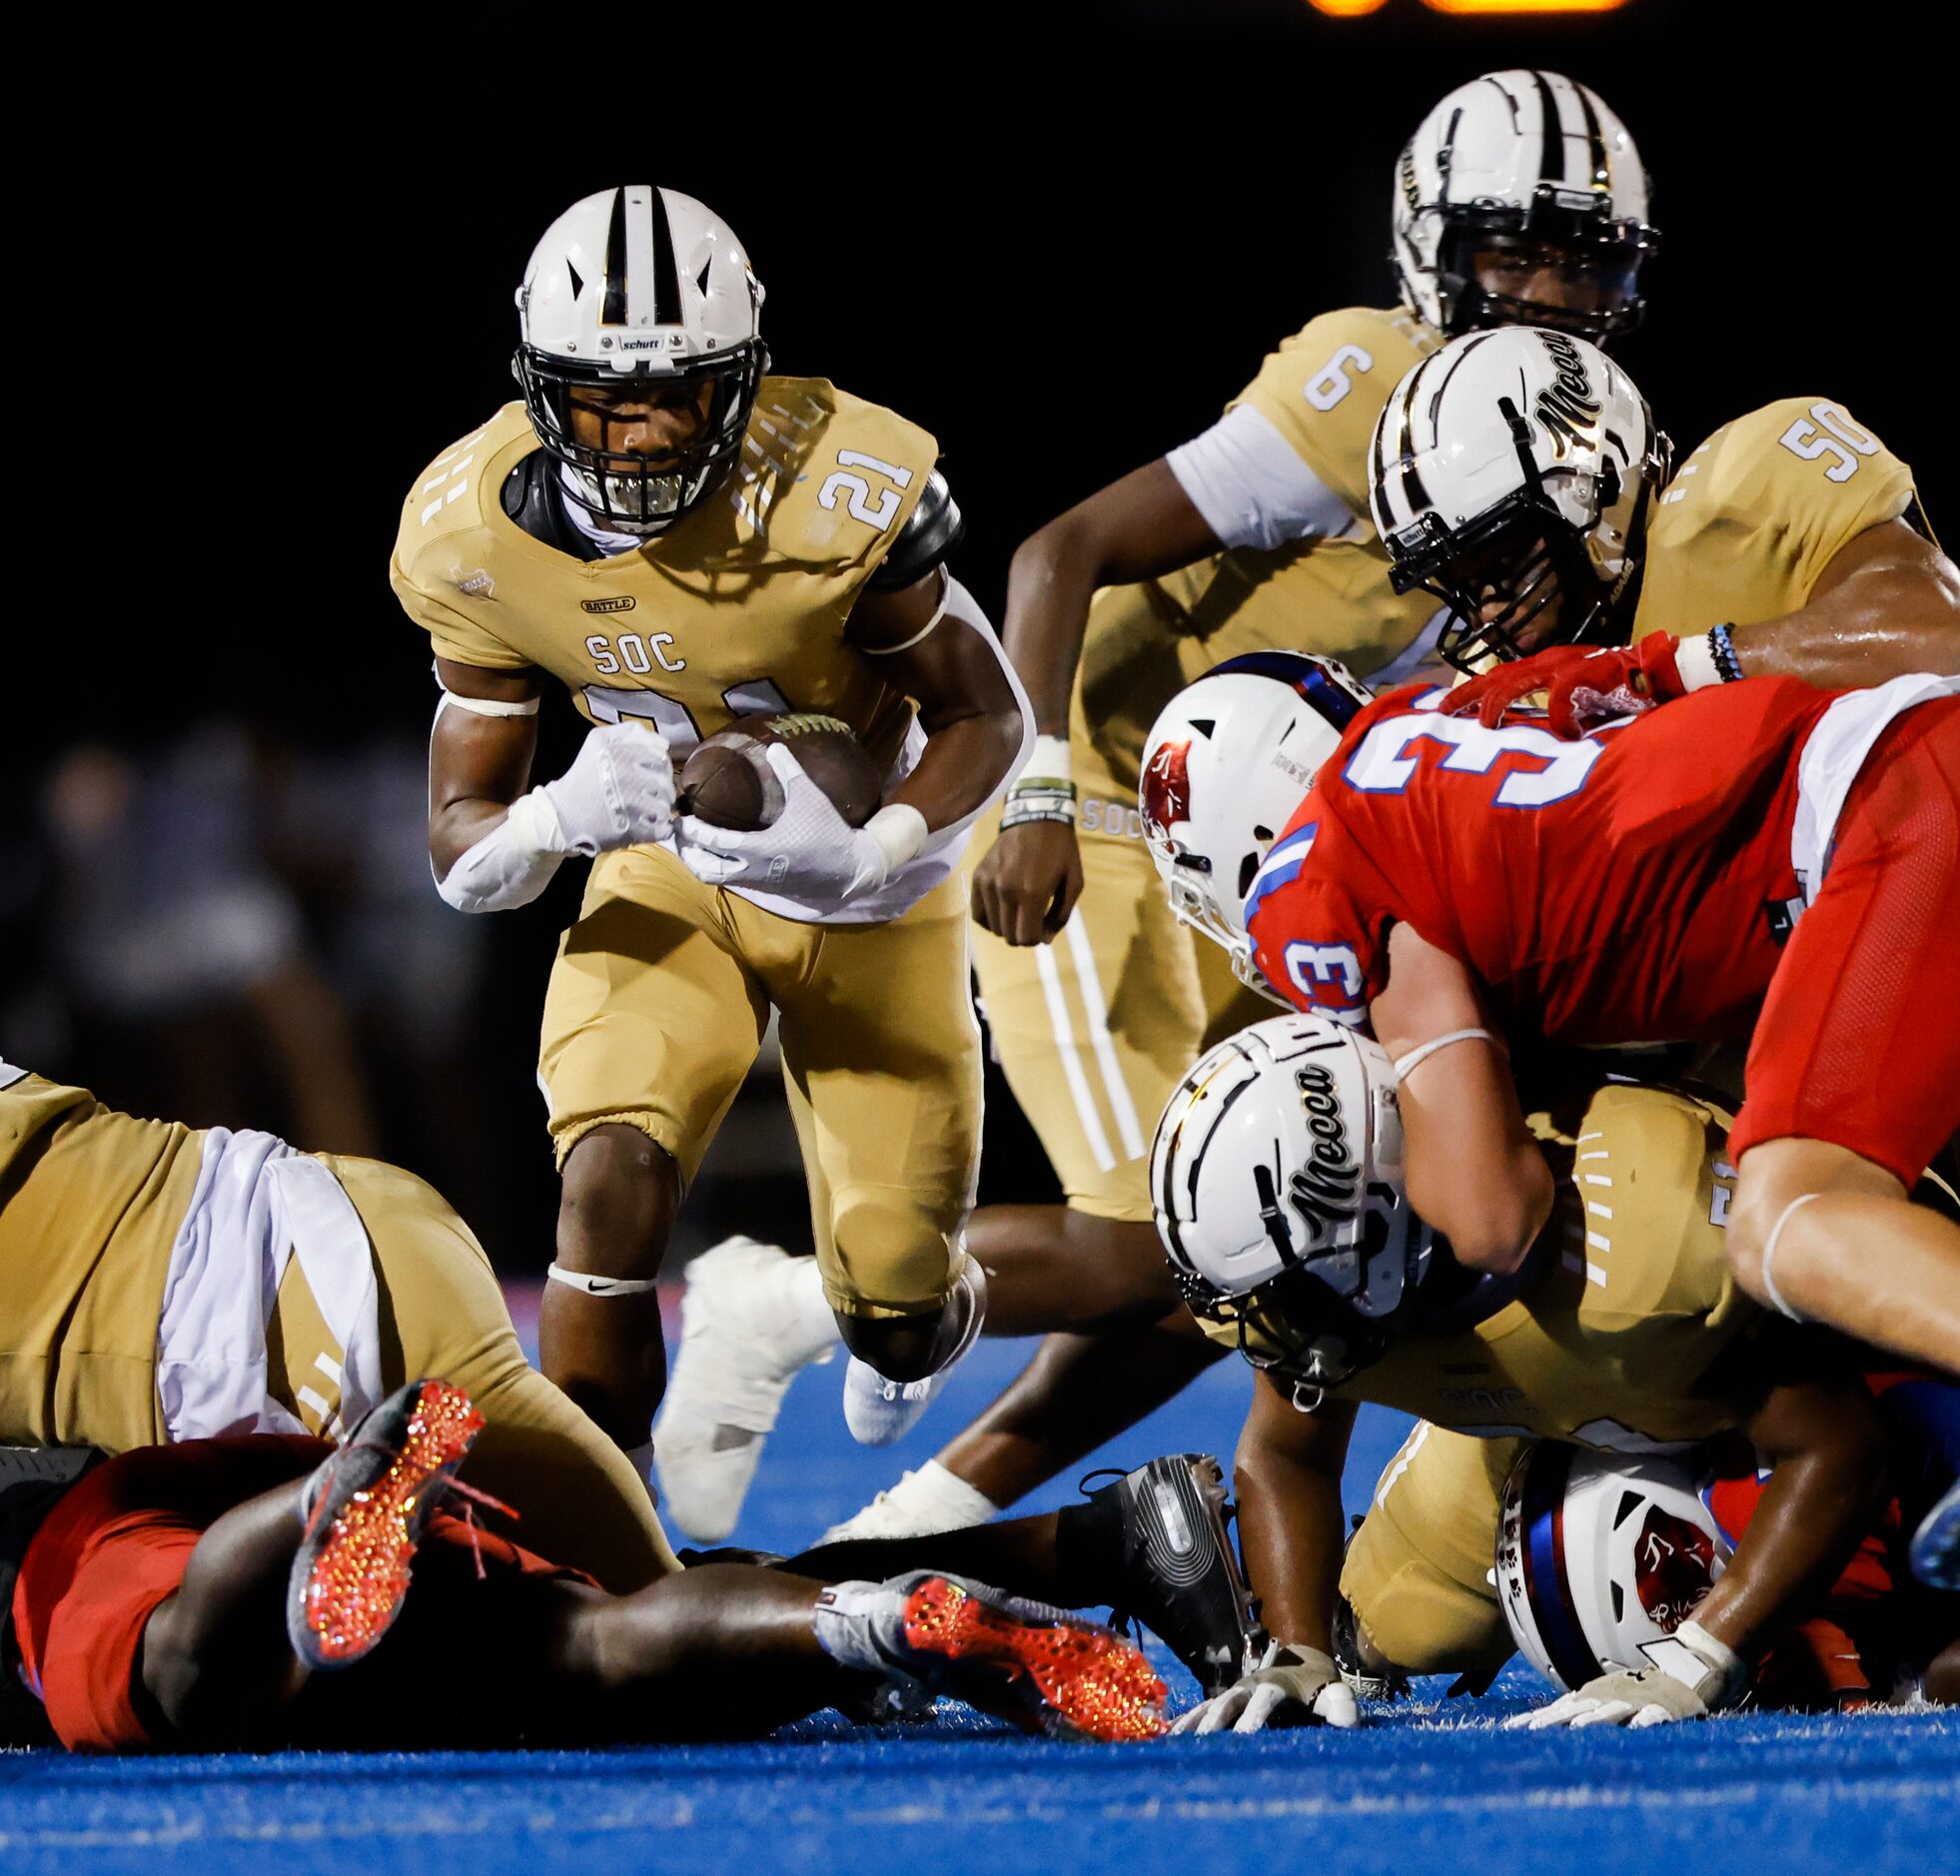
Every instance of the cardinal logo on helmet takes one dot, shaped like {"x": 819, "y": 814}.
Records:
{"x": 1167, "y": 787}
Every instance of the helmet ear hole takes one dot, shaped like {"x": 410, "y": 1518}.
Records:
{"x": 1248, "y": 870}
{"x": 1608, "y": 484}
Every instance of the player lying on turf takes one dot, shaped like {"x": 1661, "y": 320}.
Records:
{"x": 679, "y": 538}
{"x": 1277, "y": 1169}
{"x": 162, "y": 1283}
{"x": 191, "y": 1598}
{"x": 1249, "y": 536}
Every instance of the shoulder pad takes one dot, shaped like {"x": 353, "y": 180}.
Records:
{"x": 530, "y": 499}
{"x": 930, "y": 534}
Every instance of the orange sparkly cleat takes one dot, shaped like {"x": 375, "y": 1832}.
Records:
{"x": 366, "y": 1509}
{"x": 1044, "y": 1670}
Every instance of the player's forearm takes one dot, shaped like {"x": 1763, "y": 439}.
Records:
{"x": 1894, "y": 616}
{"x": 1054, "y": 574}
{"x": 1814, "y": 1511}
{"x": 457, "y": 825}
{"x": 1290, "y": 1527}
{"x": 964, "y": 763}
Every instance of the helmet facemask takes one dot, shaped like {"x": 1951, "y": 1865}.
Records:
{"x": 628, "y": 492}
{"x": 1593, "y": 251}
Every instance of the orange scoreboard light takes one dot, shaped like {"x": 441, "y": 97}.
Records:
{"x": 1354, "y": 9}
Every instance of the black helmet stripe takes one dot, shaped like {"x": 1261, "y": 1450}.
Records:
{"x": 613, "y": 311}
{"x": 666, "y": 282}
{"x": 1552, "y": 135}
{"x": 1415, "y": 495}
{"x": 1602, "y": 174}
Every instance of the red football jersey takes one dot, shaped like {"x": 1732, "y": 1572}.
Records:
{"x": 1633, "y": 886}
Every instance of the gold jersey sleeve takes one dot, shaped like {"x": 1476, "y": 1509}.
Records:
{"x": 1752, "y": 518}
{"x": 1621, "y": 1341}
{"x": 1323, "y": 391}
{"x": 740, "y": 606}
{"x": 1324, "y": 388}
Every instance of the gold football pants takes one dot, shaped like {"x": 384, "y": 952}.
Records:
{"x": 1417, "y": 1574}
{"x": 86, "y": 1229}
{"x": 580, "y": 1501}
{"x": 657, "y": 1004}
{"x": 1095, "y": 1029}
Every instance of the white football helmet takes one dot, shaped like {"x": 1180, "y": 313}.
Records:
{"x": 631, "y": 288}
{"x": 1509, "y": 166}
{"x": 1277, "y": 1181}
{"x": 1599, "y": 1553}
{"x": 1516, "y": 467}
{"x": 1227, "y": 761}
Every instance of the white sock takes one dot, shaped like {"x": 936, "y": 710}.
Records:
{"x": 932, "y": 1491}
{"x": 814, "y": 1327}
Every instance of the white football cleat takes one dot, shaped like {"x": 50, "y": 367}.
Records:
{"x": 880, "y": 1412}
{"x": 752, "y": 1317}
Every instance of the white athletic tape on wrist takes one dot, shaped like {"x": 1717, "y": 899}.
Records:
{"x": 900, "y": 831}
{"x": 600, "y": 1286}
{"x": 1048, "y": 761}
{"x": 513, "y": 863}
{"x": 1769, "y": 1258}
{"x": 480, "y": 707}
{"x": 1415, "y": 1059}
{"x": 1694, "y": 659}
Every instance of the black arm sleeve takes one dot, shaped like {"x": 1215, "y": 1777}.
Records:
{"x": 928, "y": 537}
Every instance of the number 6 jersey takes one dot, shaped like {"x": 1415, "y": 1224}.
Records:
{"x": 1636, "y": 885}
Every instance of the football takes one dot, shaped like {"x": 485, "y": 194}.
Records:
{"x": 728, "y": 782}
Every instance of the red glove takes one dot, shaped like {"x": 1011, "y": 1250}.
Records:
{"x": 1583, "y": 685}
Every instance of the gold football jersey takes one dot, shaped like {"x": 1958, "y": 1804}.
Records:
{"x": 83, "y": 1187}
{"x": 1753, "y": 516}
{"x": 1321, "y": 391}
{"x": 740, "y": 606}
{"x": 1620, "y": 1343}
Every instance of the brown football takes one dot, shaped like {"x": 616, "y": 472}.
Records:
{"x": 728, "y": 781}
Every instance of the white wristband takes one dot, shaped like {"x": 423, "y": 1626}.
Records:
{"x": 1048, "y": 760}
{"x": 1416, "y": 1057}
{"x": 1694, "y": 659}
{"x": 901, "y": 830}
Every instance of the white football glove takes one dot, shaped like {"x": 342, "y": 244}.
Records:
{"x": 809, "y": 851}
{"x": 1690, "y": 1676}
{"x": 1291, "y": 1686}
{"x": 618, "y": 791}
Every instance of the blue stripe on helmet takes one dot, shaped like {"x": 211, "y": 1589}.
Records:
{"x": 1308, "y": 676}
{"x": 1546, "y": 1581}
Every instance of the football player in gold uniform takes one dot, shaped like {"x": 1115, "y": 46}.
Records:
{"x": 162, "y": 1283}
{"x": 1624, "y": 1331}
{"x": 679, "y": 538}
{"x": 1520, "y": 198}
{"x": 1798, "y": 533}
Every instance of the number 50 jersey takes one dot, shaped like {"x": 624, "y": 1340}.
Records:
{"x": 1632, "y": 887}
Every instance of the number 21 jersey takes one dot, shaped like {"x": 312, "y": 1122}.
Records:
{"x": 1632, "y": 887}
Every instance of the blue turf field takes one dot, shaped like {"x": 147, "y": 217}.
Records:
{"x": 1426, "y": 1788}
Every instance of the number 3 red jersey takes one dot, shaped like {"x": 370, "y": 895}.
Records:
{"x": 1632, "y": 887}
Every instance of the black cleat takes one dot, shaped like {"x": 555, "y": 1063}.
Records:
{"x": 1179, "y": 1570}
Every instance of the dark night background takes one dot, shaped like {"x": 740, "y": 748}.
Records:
{"x": 1060, "y": 238}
